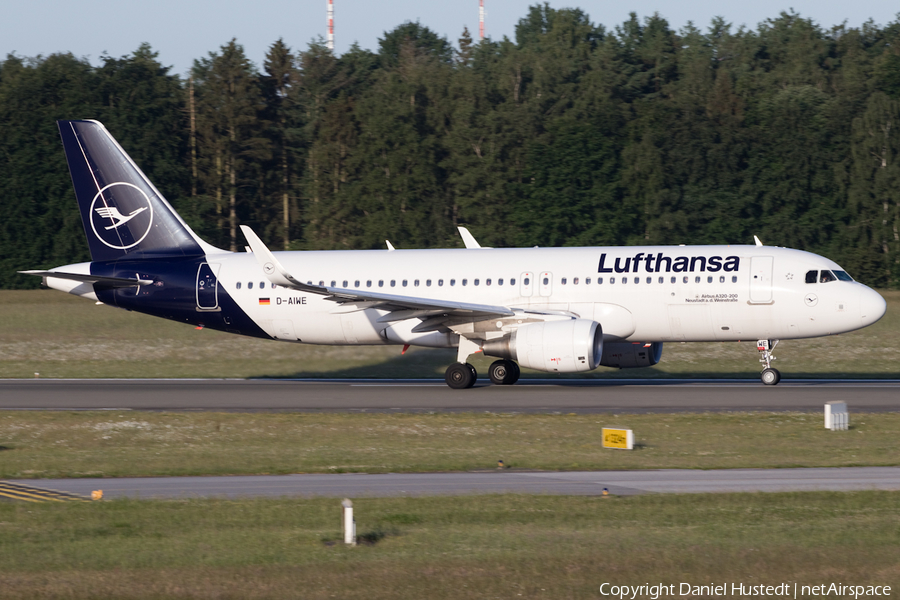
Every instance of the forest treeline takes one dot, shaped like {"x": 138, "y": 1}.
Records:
{"x": 571, "y": 134}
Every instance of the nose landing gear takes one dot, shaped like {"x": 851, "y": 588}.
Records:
{"x": 770, "y": 375}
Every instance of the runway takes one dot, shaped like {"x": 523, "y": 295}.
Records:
{"x": 580, "y": 483}
{"x": 533, "y": 395}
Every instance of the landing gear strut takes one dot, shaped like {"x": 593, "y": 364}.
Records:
{"x": 503, "y": 372}
{"x": 770, "y": 375}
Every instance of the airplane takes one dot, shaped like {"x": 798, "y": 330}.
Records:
{"x": 558, "y": 310}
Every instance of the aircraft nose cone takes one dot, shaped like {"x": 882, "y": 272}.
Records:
{"x": 871, "y": 306}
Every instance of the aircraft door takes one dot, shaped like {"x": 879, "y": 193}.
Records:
{"x": 526, "y": 284}
{"x": 761, "y": 279}
{"x": 207, "y": 287}
{"x": 546, "y": 283}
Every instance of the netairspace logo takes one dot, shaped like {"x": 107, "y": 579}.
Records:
{"x": 782, "y": 590}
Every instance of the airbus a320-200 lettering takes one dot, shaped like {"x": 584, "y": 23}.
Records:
{"x": 560, "y": 310}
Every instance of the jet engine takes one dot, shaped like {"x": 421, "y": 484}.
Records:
{"x": 557, "y": 346}
{"x": 625, "y": 355}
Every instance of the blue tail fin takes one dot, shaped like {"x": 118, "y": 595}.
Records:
{"x": 123, "y": 214}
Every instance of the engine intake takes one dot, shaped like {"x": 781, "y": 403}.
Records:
{"x": 556, "y": 346}
{"x": 625, "y": 355}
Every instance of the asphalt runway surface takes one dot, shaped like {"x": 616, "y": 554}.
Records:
{"x": 542, "y": 395}
{"x": 580, "y": 483}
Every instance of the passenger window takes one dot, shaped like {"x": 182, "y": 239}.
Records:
{"x": 356, "y": 283}
{"x": 685, "y": 280}
{"x": 697, "y": 279}
{"x": 238, "y": 285}
{"x": 811, "y": 276}
{"x": 673, "y": 280}
{"x": 415, "y": 283}
{"x": 321, "y": 284}
{"x": 587, "y": 281}
{"x": 527, "y": 280}
{"x": 624, "y": 280}
{"x": 249, "y": 285}
{"x": 734, "y": 279}
{"x": 722, "y": 279}
{"x": 369, "y": 283}
{"x": 334, "y": 284}
{"x": 452, "y": 282}
{"x": 649, "y": 280}
{"x": 546, "y": 280}
{"x": 637, "y": 279}
{"x": 393, "y": 282}
{"x": 345, "y": 283}
{"x": 381, "y": 283}
{"x": 273, "y": 286}
{"x": 826, "y": 276}
{"x": 465, "y": 281}
{"x": 574, "y": 281}
{"x": 487, "y": 282}
{"x": 662, "y": 279}
{"x": 612, "y": 280}
{"x": 477, "y": 281}
{"x": 513, "y": 282}
{"x": 428, "y": 282}
{"x": 405, "y": 282}
{"x": 440, "y": 282}
{"x": 709, "y": 279}
{"x": 599, "y": 281}
{"x": 500, "y": 281}
{"x": 562, "y": 281}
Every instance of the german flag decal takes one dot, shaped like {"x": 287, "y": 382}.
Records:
{"x": 264, "y": 302}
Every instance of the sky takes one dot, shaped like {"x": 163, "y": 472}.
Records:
{"x": 183, "y": 30}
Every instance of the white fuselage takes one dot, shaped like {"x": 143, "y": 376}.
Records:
{"x": 764, "y": 296}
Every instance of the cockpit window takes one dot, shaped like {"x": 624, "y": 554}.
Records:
{"x": 843, "y": 276}
{"x": 812, "y": 276}
{"x": 826, "y": 276}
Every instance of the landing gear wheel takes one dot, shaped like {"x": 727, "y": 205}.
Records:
{"x": 518, "y": 372}
{"x": 460, "y": 376}
{"x": 503, "y": 372}
{"x": 770, "y": 376}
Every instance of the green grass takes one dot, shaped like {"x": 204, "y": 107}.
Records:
{"x": 507, "y": 546}
{"x": 60, "y": 336}
{"x": 113, "y": 444}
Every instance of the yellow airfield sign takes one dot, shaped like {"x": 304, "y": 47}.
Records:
{"x": 618, "y": 438}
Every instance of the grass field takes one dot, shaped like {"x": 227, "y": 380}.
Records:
{"x": 111, "y": 444}
{"x": 58, "y": 336}
{"x": 508, "y": 546}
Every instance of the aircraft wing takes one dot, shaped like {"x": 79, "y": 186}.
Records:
{"x": 399, "y": 307}
{"x": 115, "y": 282}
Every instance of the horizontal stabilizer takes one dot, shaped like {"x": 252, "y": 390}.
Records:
{"x": 114, "y": 282}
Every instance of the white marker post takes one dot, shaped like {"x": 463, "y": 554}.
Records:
{"x": 836, "y": 416}
{"x": 349, "y": 522}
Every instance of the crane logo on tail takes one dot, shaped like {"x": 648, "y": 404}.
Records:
{"x": 121, "y": 215}
{"x": 111, "y": 212}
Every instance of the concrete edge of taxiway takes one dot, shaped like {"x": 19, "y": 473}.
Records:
{"x": 580, "y": 483}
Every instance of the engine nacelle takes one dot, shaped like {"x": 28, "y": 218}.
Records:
{"x": 557, "y": 346}
{"x": 625, "y": 355}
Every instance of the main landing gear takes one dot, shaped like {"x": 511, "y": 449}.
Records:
{"x": 460, "y": 376}
{"x": 770, "y": 375}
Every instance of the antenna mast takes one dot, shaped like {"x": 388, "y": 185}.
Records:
{"x": 331, "y": 25}
{"x": 480, "y": 19}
